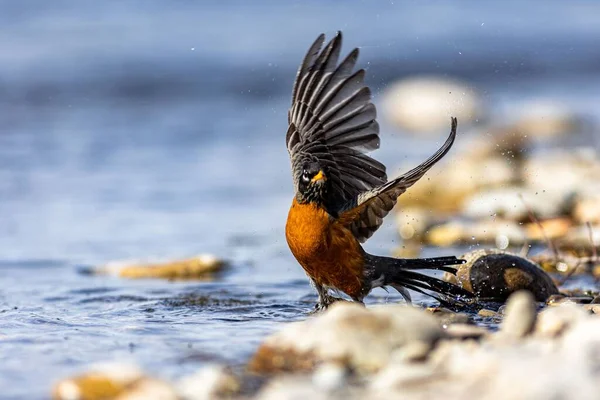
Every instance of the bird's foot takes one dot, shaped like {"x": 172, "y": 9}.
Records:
{"x": 324, "y": 302}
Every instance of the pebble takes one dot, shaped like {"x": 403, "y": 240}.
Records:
{"x": 425, "y": 104}
{"x": 330, "y": 376}
{"x": 204, "y": 266}
{"x": 493, "y": 274}
{"x": 208, "y": 383}
{"x": 466, "y": 331}
{"x": 101, "y": 381}
{"x": 447, "y": 317}
{"x": 341, "y": 334}
{"x": 554, "y": 321}
{"x": 593, "y": 308}
{"x": 513, "y": 203}
{"x": 545, "y": 119}
{"x": 485, "y": 313}
{"x": 500, "y": 232}
{"x": 555, "y": 299}
{"x": 520, "y": 315}
{"x": 446, "y": 188}
{"x": 563, "y": 172}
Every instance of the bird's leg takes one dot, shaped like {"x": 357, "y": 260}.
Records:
{"x": 325, "y": 299}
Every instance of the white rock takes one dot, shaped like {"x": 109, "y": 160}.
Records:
{"x": 543, "y": 118}
{"x": 208, "y": 383}
{"x": 364, "y": 339}
{"x": 425, "y": 104}
{"x": 513, "y": 203}
{"x": 563, "y": 172}
{"x": 520, "y": 315}
{"x": 330, "y": 376}
{"x": 555, "y": 321}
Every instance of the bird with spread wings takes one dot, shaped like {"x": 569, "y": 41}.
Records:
{"x": 341, "y": 193}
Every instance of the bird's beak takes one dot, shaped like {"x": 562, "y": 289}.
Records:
{"x": 320, "y": 176}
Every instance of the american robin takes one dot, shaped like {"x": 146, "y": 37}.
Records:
{"x": 342, "y": 194}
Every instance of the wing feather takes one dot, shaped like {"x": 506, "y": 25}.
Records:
{"x": 364, "y": 214}
{"x": 332, "y": 121}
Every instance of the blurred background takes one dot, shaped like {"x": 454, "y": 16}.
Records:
{"x": 151, "y": 129}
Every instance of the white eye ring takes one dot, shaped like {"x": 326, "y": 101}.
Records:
{"x": 305, "y": 177}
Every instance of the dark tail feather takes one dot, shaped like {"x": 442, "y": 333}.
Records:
{"x": 437, "y": 263}
{"x": 400, "y": 272}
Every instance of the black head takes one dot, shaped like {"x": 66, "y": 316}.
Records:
{"x": 312, "y": 184}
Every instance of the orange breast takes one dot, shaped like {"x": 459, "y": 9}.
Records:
{"x": 328, "y": 251}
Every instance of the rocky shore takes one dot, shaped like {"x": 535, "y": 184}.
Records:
{"x": 524, "y": 192}
{"x": 393, "y": 351}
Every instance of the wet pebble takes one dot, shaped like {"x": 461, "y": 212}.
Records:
{"x": 593, "y": 308}
{"x": 485, "y": 313}
{"x": 204, "y": 266}
{"x": 448, "y": 317}
{"x": 466, "y": 331}
{"x": 493, "y": 274}
{"x": 555, "y": 299}
{"x": 520, "y": 315}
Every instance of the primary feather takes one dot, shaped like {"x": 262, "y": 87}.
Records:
{"x": 333, "y": 122}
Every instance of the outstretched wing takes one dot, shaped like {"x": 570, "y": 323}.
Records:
{"x": 364, "y": 214}
{"x": 332, "y": 122}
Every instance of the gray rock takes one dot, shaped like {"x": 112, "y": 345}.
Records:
{"x": 520, "y": 315}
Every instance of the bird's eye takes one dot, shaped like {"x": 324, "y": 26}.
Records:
{"x": 305, "y": 177}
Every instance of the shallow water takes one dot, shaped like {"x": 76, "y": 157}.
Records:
{"x": 139, "y": 131}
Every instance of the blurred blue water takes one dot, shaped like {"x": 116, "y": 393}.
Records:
{"x": 150, "y": 129}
